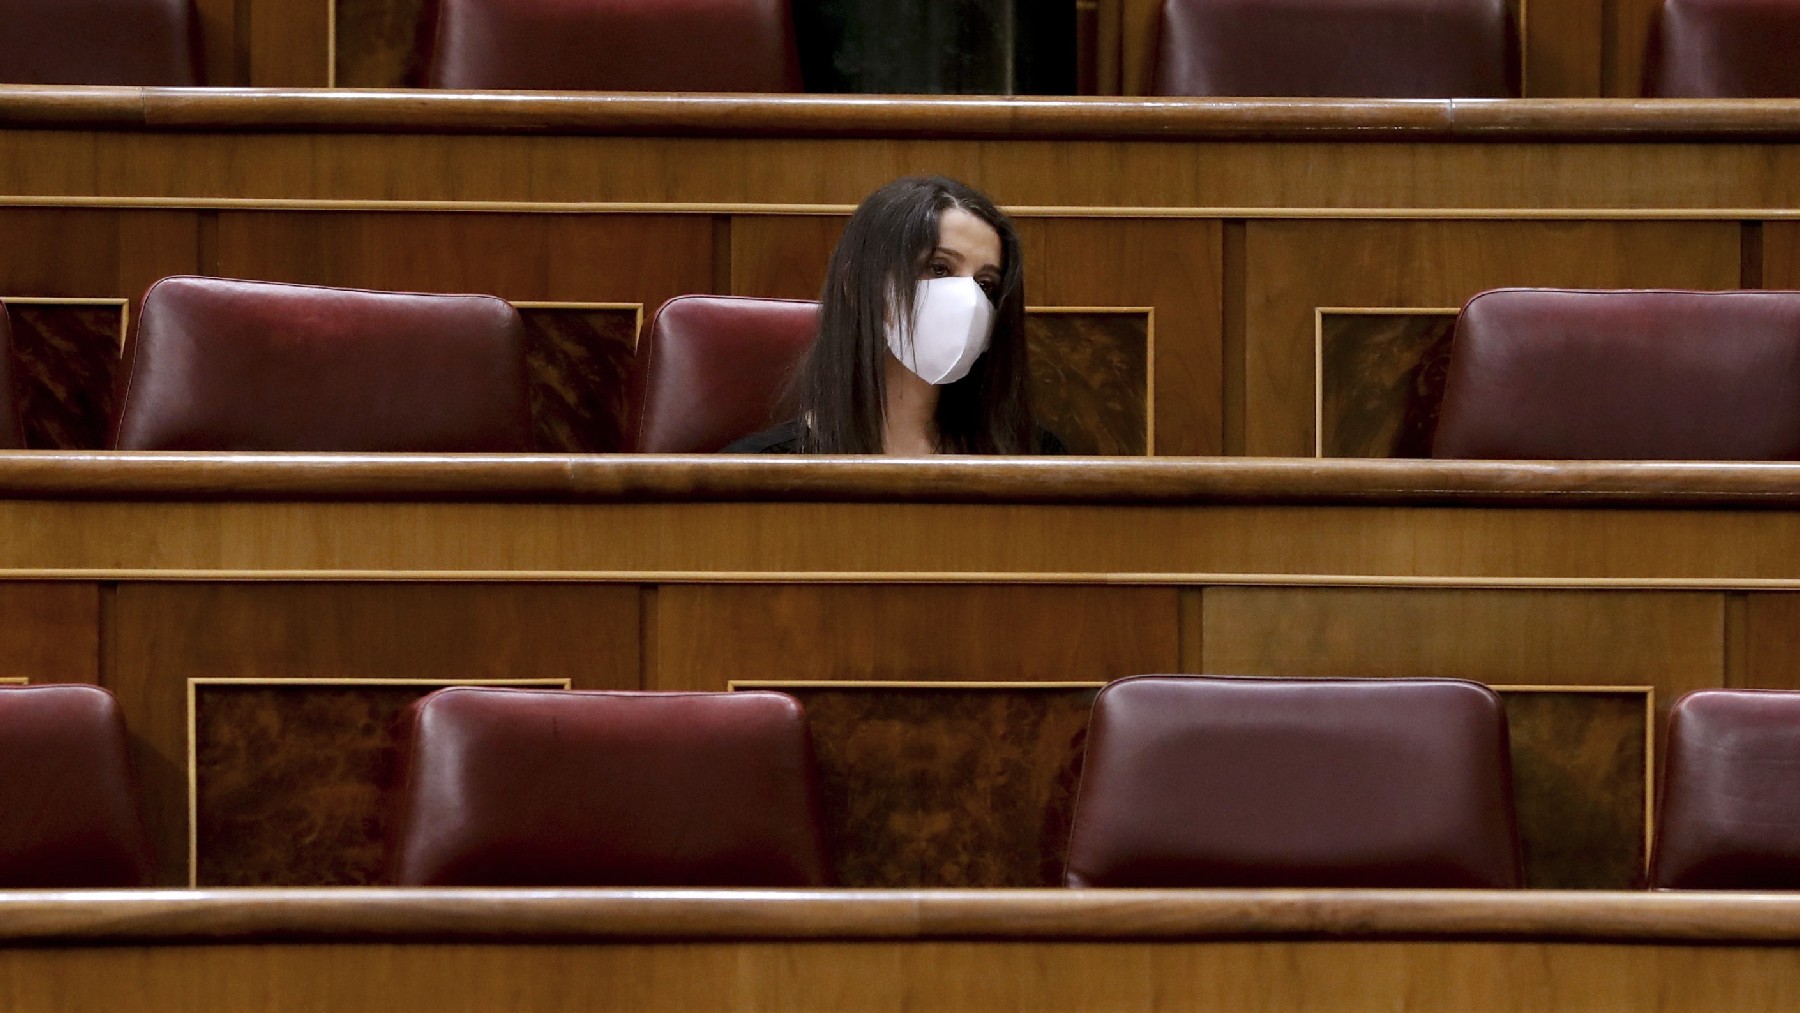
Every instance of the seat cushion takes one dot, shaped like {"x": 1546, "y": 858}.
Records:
{"x": 1239, "y": 782}
{"x": 615, "y": 45}
{"x": 1361, "y": 49}
{"x": 144, "y": 43}
{"x": 1627, "y": 375}
{"x": 711, "y": 369}
{"x": 69, "y": 814}
{"x": 217, "y": 364}
{"x": 532, "y": 787}
{"x": 1730, "y": 812}
{"x": 1725, "y": 49}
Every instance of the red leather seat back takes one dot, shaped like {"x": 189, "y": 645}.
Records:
{"x": 119, "y": 42}
{"x": 1730, "y": 812}
{"x": 217, "y": 364}
{"x": 69, "y": 814}
{"x": 615, "y": 45}
{"x": 1725, "y": 49}
{"x": 1330, "y": 48}
{"x": 559, "y": 788}
{"x": 1239, "y": 782}
{"x": 711, "y": 369}
{"x": 12, "y": 432}
{"x": 1557, "y": 374}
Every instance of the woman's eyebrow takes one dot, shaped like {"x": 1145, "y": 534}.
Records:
{"x": 948, "y": 252}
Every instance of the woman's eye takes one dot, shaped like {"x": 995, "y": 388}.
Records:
{"x": 939, "y": 270}
{"x": 991, "y": 287}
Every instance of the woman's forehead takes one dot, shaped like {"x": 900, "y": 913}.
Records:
{"x": 974, "y": 240}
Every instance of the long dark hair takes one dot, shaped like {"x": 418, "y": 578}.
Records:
{"x": 840, "y": 387}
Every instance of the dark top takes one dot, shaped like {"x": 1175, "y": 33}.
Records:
{"x": 785, "y": 439}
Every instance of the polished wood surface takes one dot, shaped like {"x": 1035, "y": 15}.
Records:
{"x": 150, "y": 478}
{"x": 154, "y": 571}
{"x": 981, "y": 951}
{"x": 564, "y": 914}
{"x": 959, "y": 116}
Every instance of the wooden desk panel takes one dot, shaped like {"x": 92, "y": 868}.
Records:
{"x": 965, "y": 951}
{"x": 1226, "y": 225}
{"x": 690, "y": 572}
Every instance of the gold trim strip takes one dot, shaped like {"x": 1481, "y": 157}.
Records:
{"x": 193, "y": 745}
{"x": 15, "y": 680}
{"x": 840, "y": 210}
{"x": 1022, "y": 578}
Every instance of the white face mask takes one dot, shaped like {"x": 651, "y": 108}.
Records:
{"x": 952, "y": 321}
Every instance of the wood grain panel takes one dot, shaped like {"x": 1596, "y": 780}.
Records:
{"x": 50, "y": 632}
{"x": 927, "y": 786}
{"x": 1295, "y": 267}
{"x": 709, "y": 635}
{"x": 782, "y": 256}
{"x": 164, "y": 634}
{"x": 1771, "y": 642}
{"x": 571, "y": 258}
{"x": 289, "y": 43}
{"x": 1627, "y": 45}
{"x": 1175, "y": 267}
{"x": 579, "y": 361}
{"x": 92, "y": 253}
{"x": 1563, "y": 45}
{"x": 1671, "y": 640}
{"x": 966, "y": 976}
{"x": 1781, "y": 255}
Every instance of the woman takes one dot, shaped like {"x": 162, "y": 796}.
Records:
{"x": 921, "y": 345}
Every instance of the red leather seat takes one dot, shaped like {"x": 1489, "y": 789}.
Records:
{"x": 1725, "y": 49}
{"x": 12, "y": 432}
{"x": 710, "y": 369}
{"x": 119, "y": 42}
{"x": 560, "y": 788}
{"x": 68, "y": 806}
{"x": 217, "y": 364}
{"x": 615, "y": 45}
{"x": 1730, "y": 812}
{"x": 1333, "y": 48}
{"x": 1244, "y": 782}
{"x": 1557, "y": 374}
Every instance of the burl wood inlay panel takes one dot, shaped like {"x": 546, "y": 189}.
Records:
{"x": 291, "y": 779}
{"x": 65, "y": 358}
{"x": 1578, "y": 782}
{"x": 948, "y": 787}
{"x": 382, "y": 43}
{"x": 1381, "y": 378}
{"x": 579, "y": 360}
{"x": 1090, "y": 379}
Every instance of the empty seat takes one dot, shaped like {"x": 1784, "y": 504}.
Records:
{"x": 68, "y": 805}
{"x": 569, "y": 788}
{"x": 12, "y": 432}
{"x": 1730, "y": 812}
{"x": 1246, "y": 782}
{"x": 1325, "y": 48}
{"x": 615, "y": 45}
{"x": 217, "y": 364}
{"x": 1623, "y": 375}
{"x": 711, "y": 370}
{"x": 118, "y": 42}
{"x": 1725, "y": 49}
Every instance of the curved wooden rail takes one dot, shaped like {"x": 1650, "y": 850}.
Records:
{"x": 716, "y": 478}
{"x": 28, "y": 917}
{"x": 824, "y": 116}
